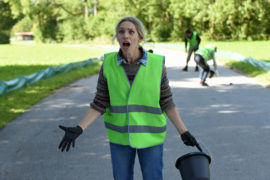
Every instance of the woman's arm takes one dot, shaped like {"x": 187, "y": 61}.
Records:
{"x": 167, "y": 104}
{"x": 186, "y": 137}
{"x": 100, "y": 102}
{"x": 89, "y": 118}
{"x": 98, "y": 107}
{"x": 175, "y": 118}
{"x": 72, "y": 133}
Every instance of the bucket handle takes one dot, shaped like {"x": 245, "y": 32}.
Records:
{"x": 198, "y": 146}
{"x": 204, "y": 147}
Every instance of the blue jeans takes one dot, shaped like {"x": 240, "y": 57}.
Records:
{"x": 123, "y": 158}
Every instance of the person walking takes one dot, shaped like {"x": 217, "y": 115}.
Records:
{"x": 134, "y": 95}
{"x": 201, "y": 57}
{"x": 194, "y": 40}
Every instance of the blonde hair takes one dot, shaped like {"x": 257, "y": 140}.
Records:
{"x": 138, "y": 25}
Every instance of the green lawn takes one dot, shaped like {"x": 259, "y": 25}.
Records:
{"x": 16, "y": 60}
{"x": 24, "y": 59}
{"x": 259, "y": 50}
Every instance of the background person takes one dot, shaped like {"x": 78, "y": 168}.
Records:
{"x": 201, "y": 57}
{"x": 133, "y": 93}
{"x": 194, "y": 40}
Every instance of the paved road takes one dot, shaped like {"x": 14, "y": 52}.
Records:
{"x": 232, "y": 123}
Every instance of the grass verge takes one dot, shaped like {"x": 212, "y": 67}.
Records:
{"x": 16, "y": 102}
{"x": 248, "y": 69}
{"x": 24, "y": 59}
{"x": 256, "y": 49}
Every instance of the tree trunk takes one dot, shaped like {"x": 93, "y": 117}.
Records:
{"x": 212, "y": 29}
{"x": 86, "y": 10}
{"x": 95, "y": 7}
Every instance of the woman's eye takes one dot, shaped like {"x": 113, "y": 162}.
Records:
{"x": 131, "y": 32}
{"x": 121, "y": 32}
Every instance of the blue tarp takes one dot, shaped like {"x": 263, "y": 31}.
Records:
{"x": 239, "y": 57}
{"x": 8, "y": 86}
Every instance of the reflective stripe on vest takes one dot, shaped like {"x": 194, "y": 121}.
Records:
{"x": 134, "y": 117}
{"x": 193, "y": 40}
{"x": 135, "y": 129}
{"x": 135, "y": 108}
{"x": 206, "y": 53}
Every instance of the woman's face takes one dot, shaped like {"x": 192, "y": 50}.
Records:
{"x": 128, "y": 37}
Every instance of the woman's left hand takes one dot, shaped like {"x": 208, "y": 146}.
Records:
{"x": 190, "y": 140}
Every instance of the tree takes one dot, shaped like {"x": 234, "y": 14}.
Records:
{"x": 6, "y": 23}
{"x": 65, "y": 20}
{"x": 155, "y": 16}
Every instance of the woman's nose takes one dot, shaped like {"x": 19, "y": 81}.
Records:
{"x": 126, "y": 35}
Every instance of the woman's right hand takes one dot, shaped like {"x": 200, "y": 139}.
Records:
{"x": 71, "y": 133}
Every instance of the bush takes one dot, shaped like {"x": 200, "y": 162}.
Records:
{"x": 161, "y": 32}
{"x": 4, "y": 38}
{"x": 46, "y": 31}
{"x": 72, "y": 28}
{"x": 102, "y": 24}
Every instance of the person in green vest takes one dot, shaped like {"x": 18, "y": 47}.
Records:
{"x": 134, "y": 95}
{"x": 201, "y": 57}
{"x": 194, "y": 40}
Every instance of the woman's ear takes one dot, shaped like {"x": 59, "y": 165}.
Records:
{"x": 140, "y": 39}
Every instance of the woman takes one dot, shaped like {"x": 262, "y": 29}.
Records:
{"x": 133, "y": 93}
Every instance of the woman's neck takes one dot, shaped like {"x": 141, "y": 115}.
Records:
{"x": 131, "y": 58}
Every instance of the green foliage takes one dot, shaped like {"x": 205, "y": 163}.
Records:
{"x": 104, "y": 22}
{"x": 44, "y": 14}
{"x": 4, "y": 37}
{"x": 65, "y": 20}
{"x": 155, "y": 16}
{"x": 73, "y": 28}
{"x": 24, "y": 25}
{"x": 6, "y": 23}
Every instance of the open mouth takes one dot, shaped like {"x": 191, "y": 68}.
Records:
{"x": 126, "y": 44}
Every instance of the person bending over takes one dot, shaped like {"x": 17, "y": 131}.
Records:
{"x": 201, "y": 57}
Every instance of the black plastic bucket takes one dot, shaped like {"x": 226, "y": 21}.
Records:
{"x": 194, "y": 166}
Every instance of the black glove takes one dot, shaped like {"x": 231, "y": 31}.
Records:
{"x": 71, "y": 133}
{"x": 190, "y": 140}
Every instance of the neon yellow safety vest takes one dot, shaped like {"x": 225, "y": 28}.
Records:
{"x": 134, "y": 117}
{"x": 206, "y": 53}
{"x": 193, "y": 40}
